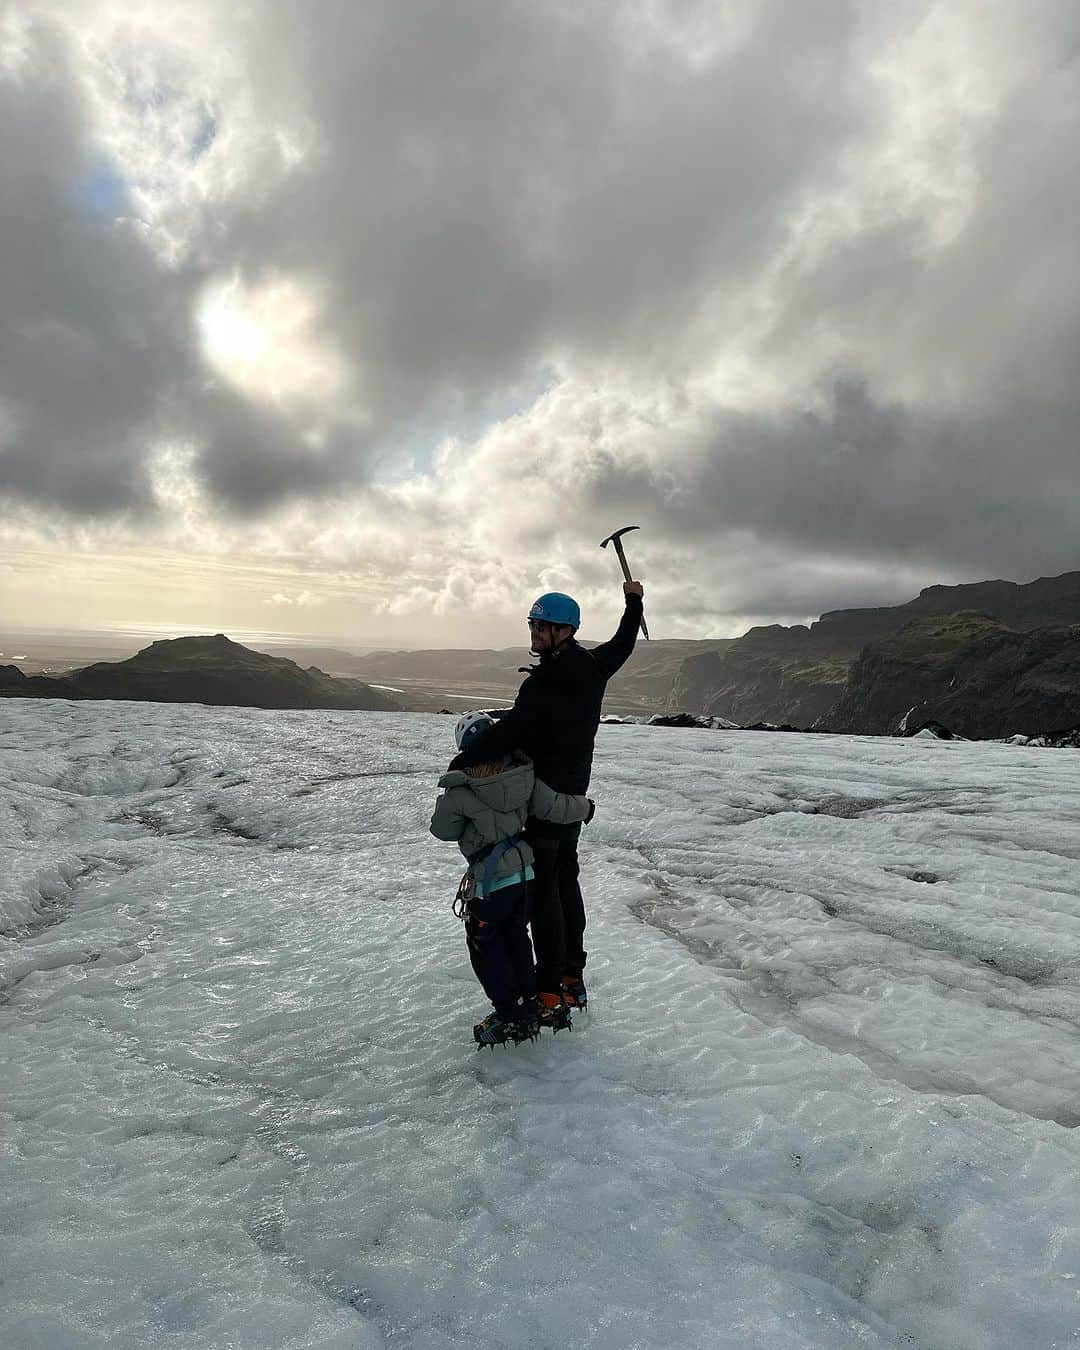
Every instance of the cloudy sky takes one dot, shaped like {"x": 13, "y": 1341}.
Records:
{"x": 370, "y": 320}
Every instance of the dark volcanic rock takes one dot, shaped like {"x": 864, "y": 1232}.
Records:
{"x": 11, "y": 675}
{"x": 211, "y": 670}
{"x": 690, "y": 720}
{"x": 678, "y": 720}
{"x": 969, "y": 672}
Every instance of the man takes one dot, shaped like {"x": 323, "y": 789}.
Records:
{"x": 554, "y": 721}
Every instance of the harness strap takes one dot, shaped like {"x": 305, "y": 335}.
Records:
{"x": 491, "y": 855}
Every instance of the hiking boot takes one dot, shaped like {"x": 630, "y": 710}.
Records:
{"x": 552, "y": 1011}
{"x": 495, "y": 1030}
{"x": 573, "y": 988}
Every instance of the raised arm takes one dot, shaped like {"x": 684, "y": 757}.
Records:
{"x": 609, "y": 656}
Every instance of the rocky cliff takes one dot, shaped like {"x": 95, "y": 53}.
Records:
{"x": 970, "y": 672}
{"x": 211, "y": 670}
{"x": 772, "y": 674}
{"x": 801, "y": 675}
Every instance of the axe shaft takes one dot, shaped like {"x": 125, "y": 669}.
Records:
{"x": 626, "y": 573}
{"x": 622, "y": 559}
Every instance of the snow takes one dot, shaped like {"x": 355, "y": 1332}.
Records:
{"x": 826, "y": 1096}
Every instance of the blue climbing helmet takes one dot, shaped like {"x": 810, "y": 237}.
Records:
{"x": 557, "y": 608}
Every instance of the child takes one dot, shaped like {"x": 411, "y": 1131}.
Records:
{"x": 484, "y": 809}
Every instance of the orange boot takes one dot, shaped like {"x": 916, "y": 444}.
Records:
{"x": 573, "y": 988}
{"x": 552, "y": 1011}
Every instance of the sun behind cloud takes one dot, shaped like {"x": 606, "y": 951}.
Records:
{"x": 265, "y": 339}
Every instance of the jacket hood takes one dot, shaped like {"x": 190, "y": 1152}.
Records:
{"x": 506, "y": 791}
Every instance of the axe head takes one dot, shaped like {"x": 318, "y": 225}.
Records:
{"x": 625, "y": 530}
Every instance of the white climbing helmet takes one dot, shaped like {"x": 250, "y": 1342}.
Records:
{"x": 470, "y": 725}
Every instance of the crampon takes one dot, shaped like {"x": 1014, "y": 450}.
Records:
{"x": 495, "y": 1030}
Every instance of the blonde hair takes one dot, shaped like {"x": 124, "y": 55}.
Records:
{"x": 488, "y": 770}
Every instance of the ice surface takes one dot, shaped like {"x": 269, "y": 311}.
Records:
{"x": 825, "y": 1097}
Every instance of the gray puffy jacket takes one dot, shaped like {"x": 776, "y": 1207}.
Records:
{"x": 479, "y": 812}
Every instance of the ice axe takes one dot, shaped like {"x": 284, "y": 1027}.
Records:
{"x": 616, "y": 539}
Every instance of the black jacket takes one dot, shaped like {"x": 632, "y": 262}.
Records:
{"x": 557, "y": 710}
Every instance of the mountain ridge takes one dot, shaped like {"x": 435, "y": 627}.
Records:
{"x": 202, "y": 669}
{"x": 827, "y": 676}
{"x": 963, "y": 655}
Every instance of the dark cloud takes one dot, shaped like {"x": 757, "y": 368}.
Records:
{"x": 860, "y": 481}
{"x": 253, "y": 460}
{"x": 492, "y": 191}
{"x": 98, "y": 364}
{"x": 502, "y": 184}
{"x": 83, "y": 322}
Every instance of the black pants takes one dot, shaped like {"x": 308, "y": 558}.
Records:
{"x": 558, "y": 925}
{"x": 496, "y": 930}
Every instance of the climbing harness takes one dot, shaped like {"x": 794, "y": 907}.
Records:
{"x": 489, "y": 856}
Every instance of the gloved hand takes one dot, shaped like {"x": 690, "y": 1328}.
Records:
{"x": 592, "y": 810}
